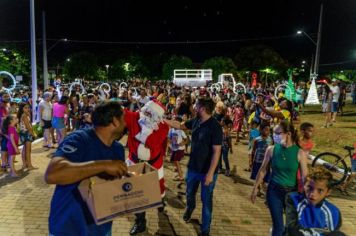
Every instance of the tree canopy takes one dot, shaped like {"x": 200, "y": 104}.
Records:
{"x": 175, "y": 62}
{"x": 81, "y": 65}
{"x": 259, "y": 57}
{"x": 220, "y": 65}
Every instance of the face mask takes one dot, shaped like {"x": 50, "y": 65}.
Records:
{"x": 277, "y": 139}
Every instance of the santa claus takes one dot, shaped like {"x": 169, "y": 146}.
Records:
{"x": 147, "y": 142}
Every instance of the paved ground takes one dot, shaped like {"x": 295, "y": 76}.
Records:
{"x": 24, "y": 204}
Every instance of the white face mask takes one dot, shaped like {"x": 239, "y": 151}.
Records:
{"x": 277, "y": 139}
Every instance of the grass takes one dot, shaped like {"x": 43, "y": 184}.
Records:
{"x": 334, "y": 138}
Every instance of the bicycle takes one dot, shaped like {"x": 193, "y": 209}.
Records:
{"x": 335, "y": 164}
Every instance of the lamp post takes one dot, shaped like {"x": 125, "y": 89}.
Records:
{"x": 107, "y": 72}
{"x": 45, "y": 51}
{"x": 33, "y": 59}
{"x": 318, "y": 43}
{"x": 299, "y": 32}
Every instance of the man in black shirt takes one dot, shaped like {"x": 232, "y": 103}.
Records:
{"x": 204, "y": 158}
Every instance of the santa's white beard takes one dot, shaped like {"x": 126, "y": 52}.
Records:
{"x": 147, "y": 122}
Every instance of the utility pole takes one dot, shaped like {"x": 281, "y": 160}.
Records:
{"x": 33, "y": 59}
{"x": 317, "y": 54}
{"x": 311, "y": 64}
{"x": 44, "y": 44}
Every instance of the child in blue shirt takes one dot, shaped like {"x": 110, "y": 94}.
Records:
{"x": 259, "y": 148}
{"x": 254, "y": 133}
{"x": 310, "y": 213}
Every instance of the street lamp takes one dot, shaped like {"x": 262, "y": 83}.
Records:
{"x": 107, "y": 72}
{"x": 299, "y": 32}
{"x": 55, "y": 44}
{"x": 303, "y": 62}
{"x": 317, "y": 44}
{"x": 45, "y": 52}
{"x": 68, "y": 59}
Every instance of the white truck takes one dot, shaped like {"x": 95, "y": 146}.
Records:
{"x": 192, "y": 78}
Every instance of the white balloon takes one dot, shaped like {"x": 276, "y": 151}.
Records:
{"x": 123, "y": 84}
{"x": 105, "y": 90}
{"x": 277, "y": 89}
{"x": 237, "y": 85}
{"x": 13, "y": 80}
{"x": 77, "y": 83}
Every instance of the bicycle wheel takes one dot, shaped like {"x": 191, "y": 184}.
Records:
{"x": 334, "y": 163}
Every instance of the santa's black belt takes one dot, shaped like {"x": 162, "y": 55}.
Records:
{"x": 151, "y": 162}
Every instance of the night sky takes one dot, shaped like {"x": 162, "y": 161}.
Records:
{"x": 273, "y": 23}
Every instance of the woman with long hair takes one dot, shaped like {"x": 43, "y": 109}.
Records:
{"x": 26, "y": 134}
{"x": 284, "y": 157}
{"x": 327, "y": 99}
{"x": 60, "y": 109}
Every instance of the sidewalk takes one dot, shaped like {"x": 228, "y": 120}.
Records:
{"x": 24, "y": 204}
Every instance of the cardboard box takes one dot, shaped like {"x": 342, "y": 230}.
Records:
{"x": 107, "y": 199}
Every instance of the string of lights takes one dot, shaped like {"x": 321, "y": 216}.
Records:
{"x": 162, "y": 42}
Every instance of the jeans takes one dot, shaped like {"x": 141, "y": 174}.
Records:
{"x": 276, "y": 203}
{"x": 353, "y": 98}
{"x": 224, "y": 156}
{"x": 193, "y": 180}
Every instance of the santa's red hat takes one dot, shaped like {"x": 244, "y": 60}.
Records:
{"x": 155, "y": 108}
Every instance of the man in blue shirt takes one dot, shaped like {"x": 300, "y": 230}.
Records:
{"x": 82, "y": 154}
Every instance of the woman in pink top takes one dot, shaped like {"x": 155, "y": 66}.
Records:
{"x": 9, "y": 129}
{"x": 60, "y": 109}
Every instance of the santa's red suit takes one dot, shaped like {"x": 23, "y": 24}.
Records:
{"x": 147, "y": 144}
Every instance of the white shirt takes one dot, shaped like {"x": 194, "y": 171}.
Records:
{"x": 176, "y": 136}
{"x": 144, "y": 100}
{"x": 336, "y": 93}
{"x": 46, "y": 110}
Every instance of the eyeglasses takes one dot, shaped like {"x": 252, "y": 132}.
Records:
{"x": 278, "y": 133}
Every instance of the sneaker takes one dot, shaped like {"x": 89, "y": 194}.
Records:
{"x": 227, "y": 173}
{"x": 187, "y": 215}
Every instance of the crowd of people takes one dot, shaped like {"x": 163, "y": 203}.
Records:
{"x": 200, "y": 122}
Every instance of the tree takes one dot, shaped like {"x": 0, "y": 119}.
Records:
{"x": 131, "y": 67}
{"x": 259, "y": 57}
{"x": 81, "y": 65}
{"x": 14, "y": 62}
{"x": 175, "y": 62}
{"x": 346, "y": 75}
{"x": 220, "y": 65}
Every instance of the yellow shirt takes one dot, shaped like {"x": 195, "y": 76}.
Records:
{"x": 250, "y": 118}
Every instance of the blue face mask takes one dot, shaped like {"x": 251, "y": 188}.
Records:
{"x": 277, "y": 139}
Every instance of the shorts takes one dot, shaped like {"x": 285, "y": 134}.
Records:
{"x": 353, "y": 165}
{"x": 300, "y": 102}
{"x": 177, "y": 155}
{"x": 25, "y": 136}
{"x": 3, "y": 144}
{"x": 334, "y": 107}
{"x": 47, "y": 124}
{"x": 58, "y": 123}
